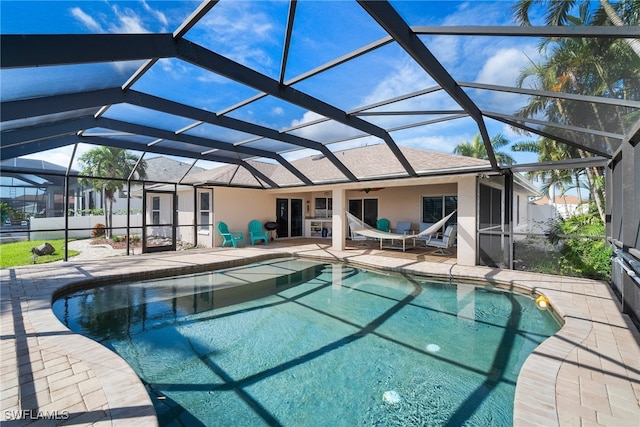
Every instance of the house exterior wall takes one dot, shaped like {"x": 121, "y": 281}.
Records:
{"x": 520, "y": 213}
{"x": 404, "y": 203}
{"x": 467, "y": 214}
{"x": 162, "y": 227}
{"x": 238, "y": 206}
{"x": 186, "y": 211}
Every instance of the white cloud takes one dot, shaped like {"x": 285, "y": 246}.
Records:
{"x": 86, "y": 20}
{"x": 442, "y": 144}
{"x": 128, "y": 21}
{"x": 243, "y": 33}
{"x": 307, "y": 117}
{"x": 503, "y": 67}
{"x": 159, "y": 15}
{"x": 61, "y": 156}
{"x": 318, "y": 132}
{"x": 277, "y": 111}
{"x": 404, "y": 78}
{"x": 123, "y": 19}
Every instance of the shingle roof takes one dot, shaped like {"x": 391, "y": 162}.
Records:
{"x": 365, "y": 162}
{"x": 566, "y": 199}
{"x": 164, "y": 169}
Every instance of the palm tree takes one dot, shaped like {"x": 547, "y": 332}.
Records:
{"x": 550, "y": 150}
{"x": 625, "y": 12}
{"x": 476, "y": 149}
{"x": 101, "y": 165}
{"x": 606, "y": 68}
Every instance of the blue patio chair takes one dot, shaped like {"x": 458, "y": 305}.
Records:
{"x": 403, "y": 227}
{"x": 257, "y": 232}
{"x": 383, "y": 224}
{"x": 231, "y": 237}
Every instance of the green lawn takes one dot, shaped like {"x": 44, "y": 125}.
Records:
{"x": 19, "y": 253}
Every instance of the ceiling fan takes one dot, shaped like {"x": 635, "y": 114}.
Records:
{"x": 368, "y": 190}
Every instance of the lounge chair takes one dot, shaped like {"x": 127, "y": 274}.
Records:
{"x": 257, "y": 232}
{"x": 447, "y": 241}
{"x": 383, "y": 224}
{"x": 430, "y": 231}
{"x": 231, "y": 237}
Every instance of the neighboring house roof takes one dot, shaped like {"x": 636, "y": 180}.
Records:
{"x": 558, "y": 200}
{"x": 365, "y": 162}
{"x": 232, "y": 174}
{"x": 32, "y": 172}
{"x": 22, "y": 164}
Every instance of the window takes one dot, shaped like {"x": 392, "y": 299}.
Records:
{"x": 324, "y": 207}
{"x": 155, "y": 211}
{"x": 204, "y": 211}
{"x": 434, "y": 208}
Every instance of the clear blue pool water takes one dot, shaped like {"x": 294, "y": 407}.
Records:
{"x": 293, "y": 342}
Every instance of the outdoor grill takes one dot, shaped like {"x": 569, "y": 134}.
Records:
{"x": 271, "y": 226}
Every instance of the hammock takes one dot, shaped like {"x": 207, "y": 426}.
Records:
{"x": 361, "y": 228}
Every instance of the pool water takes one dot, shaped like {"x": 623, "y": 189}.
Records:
{"x": 294, "y": 342}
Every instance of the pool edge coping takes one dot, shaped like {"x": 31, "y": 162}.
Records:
{"x": 534, "y": 401}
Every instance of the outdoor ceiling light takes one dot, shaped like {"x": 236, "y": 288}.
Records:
{"x": 542, "y": 302}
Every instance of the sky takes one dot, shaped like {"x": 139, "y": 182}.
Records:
{"x": 252, "y": 33}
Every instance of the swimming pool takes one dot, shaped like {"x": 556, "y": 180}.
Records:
{"x": 296, "y": 342}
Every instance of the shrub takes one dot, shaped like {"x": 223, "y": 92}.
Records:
{"x": 583, "y": 256}
{"x": 98, "y": 230}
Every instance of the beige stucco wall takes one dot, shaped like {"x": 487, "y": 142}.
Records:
{"x": 185, "y": 216}
{"x": 163, "y": 229}
{"x": 205, "y": 237}
{"x": 238, "y": 206}
{"x": 467, "y": 212}
{"x": 404, "y": 203}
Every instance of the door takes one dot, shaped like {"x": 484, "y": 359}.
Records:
{"x": 159, "y": 230}
{"x": 494, "y": 235}
{"x": 282, "y": 217}
{"x": 289, "y": 217}
{"x": 296, "y": 218}
{"x": 366, "y": 209}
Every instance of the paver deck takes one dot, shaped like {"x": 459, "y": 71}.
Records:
{"x": 586, "y": 374}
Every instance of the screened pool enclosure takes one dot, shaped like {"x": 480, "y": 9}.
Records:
{"x": 253, "y": 87}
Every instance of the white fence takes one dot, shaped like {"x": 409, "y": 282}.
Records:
{"x": 79, "y": 226}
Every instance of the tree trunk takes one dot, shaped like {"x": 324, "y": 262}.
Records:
{"x": 577, "y": 178}
{"x": 615, "y": 20}
{"x": 110, "y": 227}
{"x": 103, "y": 202}
{"x": 595, "y": 194}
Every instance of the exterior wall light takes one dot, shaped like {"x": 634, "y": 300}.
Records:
{"x": 542, "y": 302}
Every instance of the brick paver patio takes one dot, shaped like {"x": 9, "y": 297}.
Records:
{"x": 587, "y": 374}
